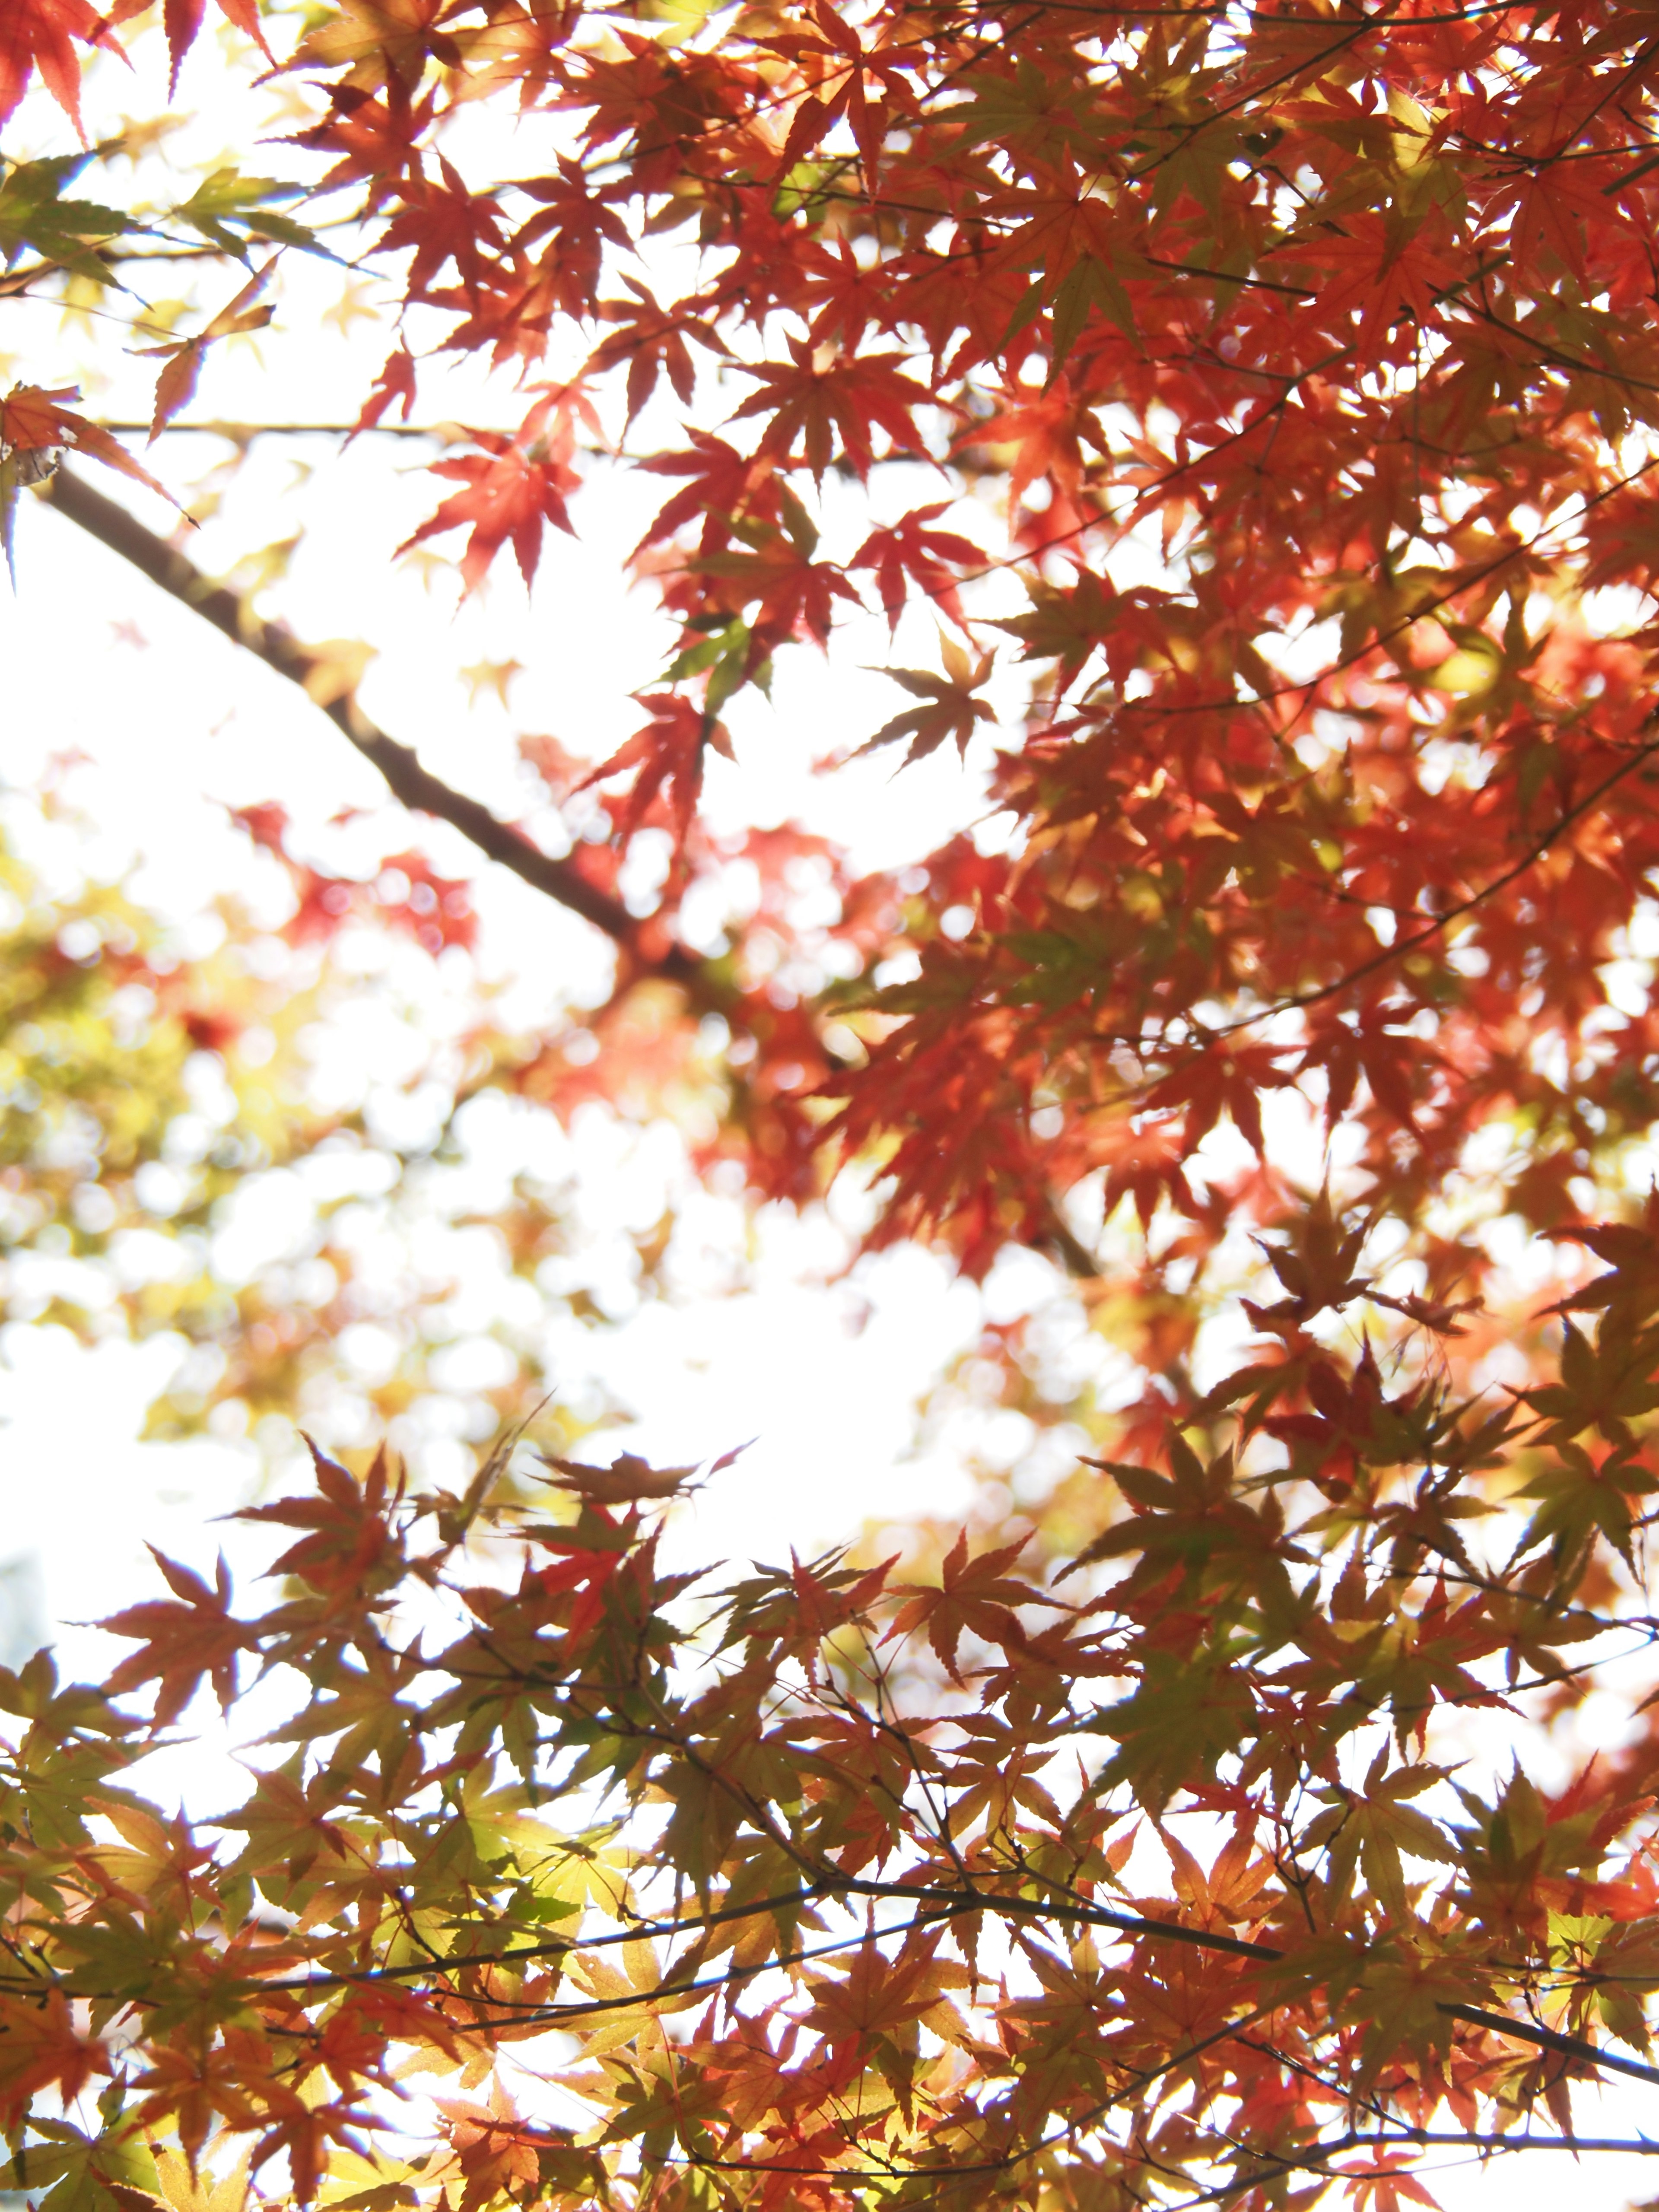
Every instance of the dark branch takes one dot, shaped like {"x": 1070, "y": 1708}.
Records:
{"x": 415, "y": 786}
{"x": 1550, "y": 2039}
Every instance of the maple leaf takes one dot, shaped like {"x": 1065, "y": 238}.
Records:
{"x": 33, "y": 213}
{"x": 975, "y": 1597}
{"x": 1383, "y": 2182}
{"x": 1606, "y": 1385}
{"x": 1317, "y": 1270}
{"x": 35, "y": 427}
{"x": 1068, "y": 625}
{"x": 377, "y": 141}
{"x": 1372, "y": 1828}
{"x": 1084, "y": 261}
{"x": 666, "y": 755}
{"x": 1584, "y": 1495}
{"x": 908, "y": 550}
{"x": 725, "y": 485}
{"x": 579, "y": 224}
{"x": 649, "y": 339}
{"x": 833, "y": 406}
{"x": 197, "y": 1636}
{"x": 287, "y": 1829}
{"x": 1146, "y": 1165}
{"x": 176, "y": 386}
{"x": 851, "y": 63}
{"x": 442, "y": 223}
{"x": 796, "y": 595}
{"x": 1183, "y": 1717}
{"x": 226, "y": 197}
{"x": 494, "y": 676}
{"x": 1370, "y": 267}
{"x": 951, "y": 710}
{"x": 514, "y": 487}
{"x": 100, "y": 2171}
{"x": 40, "y": 2049}
{"x": 495, "y": 2152}
{"x": 393, "y": 386}
{"x": 1191, "y": 1522}
{"x": 1047, "y": 431}
{"x": 194, "y": 2089}
{"x": 1231, "y": 1080}
{"x": 377, "y": 41}
{"x": 352, "y": 1543}
{"x": 304, "y": 2132}
{"x": 628, "y": 1480}
{"x": 182, "y": 20}
{"x": 36, "y": 34}
{"x": 162, "y": 1864}
{"x": 880, "y": 1993}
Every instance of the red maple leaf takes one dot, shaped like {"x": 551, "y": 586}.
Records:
{"x": 975, "y": 1597}
{"x": 445, "y": 223}
{"x": 834, "y": 404}
{"x": 183, "y": 19}
{"x": 650, "y": 339}
{"x": 907, "y": 549}
{"x": 37, "y": 34}
{"x": 514, "y": 487}
{"x": 393, "y": 386}
{"x": 33, "y": 421}
{"x": 305, "y": 2132}
{"x": 350, "y": 1540}
{"x": 376, "y": 140}
{"x": 667, "y": 753}
{"x": 726, "y": 486}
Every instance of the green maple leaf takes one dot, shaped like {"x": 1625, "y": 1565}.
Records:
{"x": 1180, "y": 1723}
{"x": 227, "y": 197}
{"x": 1607, "y": 1385}
{"x": 1374, "y": 1829}
{"x": 1400, "y": 2003}
{"x": 1005, "y": 110}
{"x": 79, "y": 2172}
{"x": 1579, "y": 1500}
{"x": 34, "y": 213}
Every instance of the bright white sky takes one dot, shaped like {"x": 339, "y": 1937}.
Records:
{"x": 175, "y": 725}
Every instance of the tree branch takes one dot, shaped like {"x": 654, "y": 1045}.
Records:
{"x": 415, "y": 786}
{"x": 237, "y": 432}
{"x": 1550, "y": 2039}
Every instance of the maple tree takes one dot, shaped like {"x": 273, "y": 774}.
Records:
{"x": 1275, "y": 386}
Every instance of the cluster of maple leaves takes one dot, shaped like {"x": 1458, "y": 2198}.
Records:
{"x": 1115, "y": 1886}
{"x": 1033, "y": 1885}
{"x": 1356, "y": 313}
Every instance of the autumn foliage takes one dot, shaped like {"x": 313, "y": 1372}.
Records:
{"x": 1274, "y": 388}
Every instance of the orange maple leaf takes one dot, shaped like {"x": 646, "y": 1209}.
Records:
{"x": 183, "y": 1642}
{"x": 39, "y": 2049}
{"x": 975, "y": 1596}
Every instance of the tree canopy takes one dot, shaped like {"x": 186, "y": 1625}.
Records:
{"x": 1244, "y": 417}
